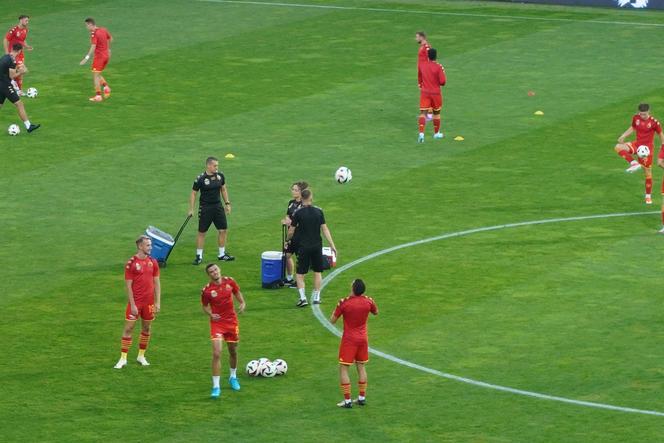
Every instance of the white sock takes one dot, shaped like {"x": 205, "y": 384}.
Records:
{"x": 222, "y": 251}
{"x": 27, "y": 124}
{"x": 233, "y": 372}
{"x": 315, "y": 295}
{"x": 302, "y": 295}
{"x": 199, "y": 252}
{"x": 421, "y": 134}
{"x": 289, "y": 277}
{"x": 360, "y": 397}
{"x": 215, "y": 381}
{"x": 648, "y": 196}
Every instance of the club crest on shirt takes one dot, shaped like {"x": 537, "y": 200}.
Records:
{"x": 206, "y": 181}
{"x": 150, "y": 264}
{"x": 213, "y": 294}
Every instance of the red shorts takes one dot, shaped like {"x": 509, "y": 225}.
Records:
{"x": 145, "y": 311}
{"x": 99, "y": 63}
{"x": 351, "y": 351}
{"x": 430, "y": 101}
{"x": 228, "y": 332}
{"x": 647, "y": 162}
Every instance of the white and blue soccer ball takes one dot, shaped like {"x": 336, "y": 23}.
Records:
{"x": 262, "y": 363}
{"x": 32, "y": 92}
{"x": 252, "y": 368}
{"x": 13, "y": 130}
{"x": 643, "y": 151}
{"x": 343, "y": 175}
{"x": 268, "y": 370}
{"x": 280, "y": 366}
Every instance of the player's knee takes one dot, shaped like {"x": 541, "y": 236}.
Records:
{"x": 619, "y": 148}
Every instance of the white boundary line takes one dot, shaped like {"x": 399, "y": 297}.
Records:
{"x": 435, "y": 13}
{"x": 323, "y": 320}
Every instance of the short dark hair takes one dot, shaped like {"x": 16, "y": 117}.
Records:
{"x": 358, "y": 287}
{"x": 209, "y": 265}
{"x": 90, "y": 20}
{"x": 210, "y": 160}
{"x": 22, "y": 16}
{"x": 302, "y": 185}
{"x": 644, "y": 107}
{"x": 421, "y": 34}
{"x": 306, "y": 194}
{"x": 141, "y": 239}
{"x": 17, "y": 47}
{"x": 432, "y": 53}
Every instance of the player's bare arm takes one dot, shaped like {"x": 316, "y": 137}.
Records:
{"x": 20, "y": 70}
{"x": 625, "y": 134}
{"x": 333, "y": 318}
{"x": 208, "y": 310}
{"x": 227, "y": 202}
{"x": 289, "y": 235}
{"x": 87, "y": 56}
{"x": 328, "y": 237}
{"x": 130, "y": 297}
{"x": 5, "y": 45}
{"x": 240, "y": 299}
{"x": 157, "y": 295}
{"x": 192, "y": 202}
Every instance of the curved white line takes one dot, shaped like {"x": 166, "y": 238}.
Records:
{"x": 321, "y": 318}
{"x": 434, "y": 13}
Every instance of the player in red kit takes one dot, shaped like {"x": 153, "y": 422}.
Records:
{"x": 422, "y": 56}
{"x": 144, "y": 299}
{"x": 354, "y": 346}
{"x": 217, "y": 300}
{"x": 645, "y": 126}
{"x": 18, "y": 34}
{"x": 100, "y": 40}
{"x": 431, "y": 76}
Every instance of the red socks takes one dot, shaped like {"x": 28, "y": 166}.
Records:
{"x": 421, "y": 122}
{"x": 362, "y": 385}
{"x": 143, "y": 343}
{"x": 627, "y": 156}
{"x": 345, "y": 388}
{"x": 436, "y": 124}
{"x": 648, "y": 185}
{"x": 126, "y": 344}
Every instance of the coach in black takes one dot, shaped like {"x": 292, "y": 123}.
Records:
{"x": 8, "y": 71}
{"x": 212, "y": 185}
{"x": 307, "y": 224}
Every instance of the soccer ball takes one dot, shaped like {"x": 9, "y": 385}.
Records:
{"x": 280, "y": 366}
{"x": 32, "y": 92}
{"x": 13, "y": 130}
{"x": 262, "y": 362}
{"x": 269, "y": 370}
{"x": 343, "y": 175}
{"x": 252, "y": 368}
{"x": 643, "y": 151}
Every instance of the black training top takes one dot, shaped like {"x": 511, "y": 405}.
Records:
{"x": 210, "y": 187}
{"x": 6, "y": 63}
{"x": 293, "y": 206}
{"x": 307, "y": 221}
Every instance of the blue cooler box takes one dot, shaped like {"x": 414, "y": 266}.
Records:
{"x": 271, "y": 262}
{"x": 162, "y": 243}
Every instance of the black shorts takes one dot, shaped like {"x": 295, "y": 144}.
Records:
{"x": 292, "y": 248}
{"x": 310, "y": 257}
{"x": 211, "y": 214}
{"x": 7, "y": 92}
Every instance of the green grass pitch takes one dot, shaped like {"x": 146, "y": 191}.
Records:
{"x": 568, "y": 309}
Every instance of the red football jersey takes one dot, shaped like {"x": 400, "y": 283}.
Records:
{"x": 142, "y": 273}
{"x": 100, "y": 38}
{"x": 16, "y": 35}
{"x": 431, "y": 77}
{"x": 220, "y": 298}
{"x": 355, "y": 309}
{"x": 645, "y": 130}
{"x": 422, "y": 54}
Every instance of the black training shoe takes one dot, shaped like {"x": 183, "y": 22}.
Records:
{"x": 361, "y": 402}
{"x": 33, "y": 128}
{"x": 345, "y": 404}
{"x": 226, "y": 257}
{"x": 302, "y": 303}
{"x": 198, "y": 260}
{"x": 316, "y": 301}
